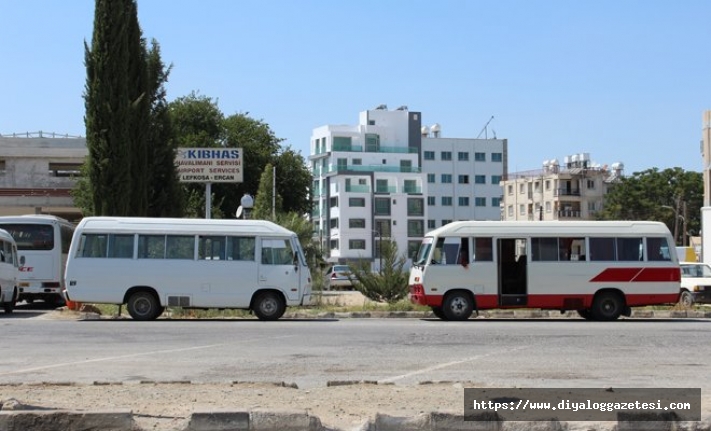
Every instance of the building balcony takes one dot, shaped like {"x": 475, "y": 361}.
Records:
{"x": 386, "y": 189}
{"x": 373, "y": 168}
{"x": 568, "y": 214}
{"x": 567, "y": 192}
{"x": 412, "y": 189}
{"x": 358, "y": 188}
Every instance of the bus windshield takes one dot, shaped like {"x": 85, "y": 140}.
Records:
{"x": 423, "y": 252}
{"x": 31, "y": 236}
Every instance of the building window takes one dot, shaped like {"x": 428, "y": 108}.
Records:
{"x": 591, "y": 184}
{"x": 446, "y": 201}
{"x": 463, "y": 156}
{"x": 412, "y": 247}
{"x": 495, "y": 202}
{"x": 479, "y": 157}
{"x": 464, "y": 179}
{"x": 405, "y": 165}
{"x": 446, "y": 155}
{"x": 496, "y": 157}
{"x": 362, "y": 182}
{"x": 495, "y": 179}
{"x": 429, "y": 155}
{"x": 410, "y": 186}
{"x": 382, "y": 206}
{"x": 356, "y": 223}
{"x": 334, "y": 223}
{"x": 357, "y": 162}
{"x": 356, "y": 202}
{"x": 446, "y": 178}
{"x": 548, "y": 207}
{"x": 341, "y": 143}
{"x": 431, "y": 201}
{"x": 430, "y": 224}
{"x": 415, "y": 228}
{"x": 479, "y": 179}
{"x": 464, "y": 201}
{"x": 431, "y": 178}
{"x": 381, "y": 186}
{"x": 510, "y": 188}
{"x": 509, "y": 211}
{"x": 333, "y": 202}
{"x": 479, "y": 202}
{"x": 521, "y": 188}
{"x": 356, "y": 244}
{"x": 372, "y": 142}
{"x": 334, "y": 244}
{"x": 548, "y": 184}
{"x": 415, "y": 207}
{"x": 446, "y": 221}
{"x": 522, "y": 209}
{"x": 382, "y": 228}
{"x": 59, "y": 169}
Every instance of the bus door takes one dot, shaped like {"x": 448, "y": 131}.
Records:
{"x": 512, "y": 270}
{"x": 278, "y": 270}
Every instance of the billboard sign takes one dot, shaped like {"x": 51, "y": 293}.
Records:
{"x": 209, "y": 165}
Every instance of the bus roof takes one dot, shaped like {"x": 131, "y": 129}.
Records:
{"x": 568, "y": 228}
{"x": 180, "y": 225}
{"x": 34, "y": 218}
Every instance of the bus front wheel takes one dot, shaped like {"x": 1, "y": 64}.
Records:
{"x": 607, "y": 306}
{"x": 143, "y": 306}
{"x": 457, "y": 306}
{"x": 437, "y": 311}
{"x": 269, "y": 306}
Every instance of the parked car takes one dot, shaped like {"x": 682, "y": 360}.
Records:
{"x": 337, "y": 278}
{"x": 695, "y": 283}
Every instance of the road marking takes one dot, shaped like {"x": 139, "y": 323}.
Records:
{"x": 446, "y": 364}
{"x": 134, "y": 355}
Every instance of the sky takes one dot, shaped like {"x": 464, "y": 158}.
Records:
{"x": 623, "y": 80}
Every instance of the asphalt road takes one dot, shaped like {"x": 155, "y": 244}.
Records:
{"x": 505, "y": 353}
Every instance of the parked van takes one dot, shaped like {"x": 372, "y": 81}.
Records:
{"x": 153, "y": 263}
{"x": 9, "y": 272}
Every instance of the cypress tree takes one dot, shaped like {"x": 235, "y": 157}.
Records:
{"x": 107, "y": 104}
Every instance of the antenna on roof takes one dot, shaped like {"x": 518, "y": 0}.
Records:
{"x": 484, "y": 130}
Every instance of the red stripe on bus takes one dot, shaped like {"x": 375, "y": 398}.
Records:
{"x": 638, "y": 275}
{"x": 554, "y": 301}
{"x": 617, "y": 274}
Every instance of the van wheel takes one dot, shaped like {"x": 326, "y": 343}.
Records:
{"x": 269, "y": 306}
{"x": 607, "y": 306}
{"x": 686, "y": 299}
{"x": 143, "y": 306}
{"x": 457, "y": 306}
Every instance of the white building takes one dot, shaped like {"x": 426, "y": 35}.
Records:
{"x": 371, "y": 182}
{"x": 573, "y": 190}
{"x": 37, "y": 173}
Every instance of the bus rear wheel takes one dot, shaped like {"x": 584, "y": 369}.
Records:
{"x": 457, "y": 306}
{"x": 437, "y": 311}
{"x": 607, "y": 306}
{"x": 585, "y": 314}
{"x": 269, "y": 306}
{"x": 143, "y": 306}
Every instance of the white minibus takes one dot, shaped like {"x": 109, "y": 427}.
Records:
{"x": 42, "y": 243}
{"x": 598, "y": 268}
{"x": 153, "y": 263}
{"x": 9, "y": 272}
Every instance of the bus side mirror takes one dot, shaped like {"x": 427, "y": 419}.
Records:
{"x": 295, "y": 261}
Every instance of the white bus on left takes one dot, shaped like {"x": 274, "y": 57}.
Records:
{"x": 153, "y": 263}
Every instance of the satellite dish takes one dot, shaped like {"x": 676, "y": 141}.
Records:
{"x": 238, "y": 214}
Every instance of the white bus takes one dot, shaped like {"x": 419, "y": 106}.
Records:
{"x": 42, "y": 243}
{"x": 153, "y": 263}
{"x": 9, "y": 272}
{"x": 598, "y": 268}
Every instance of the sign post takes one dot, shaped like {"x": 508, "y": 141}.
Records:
{"x": 209, "y": 165}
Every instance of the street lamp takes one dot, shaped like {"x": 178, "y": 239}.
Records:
{"x": 678, "y": 217}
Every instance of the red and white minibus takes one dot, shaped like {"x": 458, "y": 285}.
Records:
{"x": 598, "y": 268}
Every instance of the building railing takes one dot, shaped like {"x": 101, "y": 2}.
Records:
{"x": 568, "y": 214}
{"x": 566, "y": 192}
{"x": 39, "y": 134}
{"x": 374, "y": 168}
{"x": 412, "y": 189}
{"x": 358, "y": 188}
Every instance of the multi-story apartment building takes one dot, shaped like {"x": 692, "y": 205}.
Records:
{"x": 387, "y": 177}
{"x": 573, "y": 191}
{"x": 37, "y": 173}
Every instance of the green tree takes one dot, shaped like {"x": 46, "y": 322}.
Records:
{"x": 671, "y": 196}
{"x": 108, "y": 112}
{"x": 390, "y": 283}
{"x": 293, "y": 180}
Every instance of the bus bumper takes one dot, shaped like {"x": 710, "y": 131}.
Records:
{"x": 417, "y": 296}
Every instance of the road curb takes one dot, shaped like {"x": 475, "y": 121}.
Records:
{"x": 266, "y": 420}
